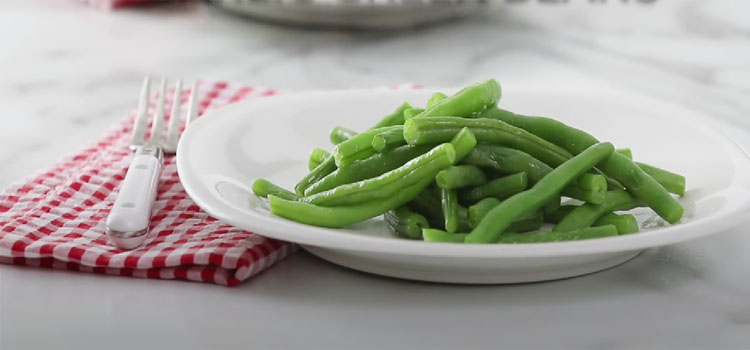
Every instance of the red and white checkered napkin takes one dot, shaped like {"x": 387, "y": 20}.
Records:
{"x": 56, "y": 218}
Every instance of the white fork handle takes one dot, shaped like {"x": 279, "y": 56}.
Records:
{"x": 128, "y": 221}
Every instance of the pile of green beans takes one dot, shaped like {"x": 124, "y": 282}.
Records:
{"x": 462, "y": 170}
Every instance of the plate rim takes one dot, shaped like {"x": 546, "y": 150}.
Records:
{"x": 280, "y": 228}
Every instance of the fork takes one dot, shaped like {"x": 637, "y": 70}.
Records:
{"x": 128, "y": 221}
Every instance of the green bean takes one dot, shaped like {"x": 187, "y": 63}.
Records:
{"x": 264, "y": 188}
{"x": 428, "y": 204}
{"x": 463, "y": 142}
{"x": 322, "y": 170}
{"x": 435, "y": 235}
{"x": 479, "y": 210}
{"x": 556, "y": 216}
{"x": 395, "y": 118}
{"x": 372, "y": 166}
{"x": 359, "y": 146}
{"x": 463, "y": 219}
{"x": 588, "y": 188}
{"x": 553, "y": 236}
{"x": 387, "y": 184}
{"x": 411, "y": 113}
{"x": 673, "y": 183}
{"x": 500, "y": 188}
{"x": 449, "y": 202}
{"x": 507, "y": 160}
{"x": 460, "y": 176}
{"x": 340, "y": 134}
{"x": 317, "y": 156}
{"x": 433, "y": 130}
{"x": 329, "y": 164}
{"x": 467, "y": 102}
{"x": 528, "y": 223}
{"x": 625, "y": 223}
{"x": 617, "y": 166}
{"x": 342, "y": 216}
{"x": 388, "y": 140}
{"x": 625, "y": 152}
{"x": 525, "y": 203}
{"x": 586, "y": 214}
{"x": 553, "y": 205}
{"x": 405, "y": 222}
{"x": 435, "y": 98}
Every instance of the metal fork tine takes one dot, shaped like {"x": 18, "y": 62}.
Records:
{"x": 141, "y": 117}
{"x": 173, "y": 130}
{"x": 158, "y": 125}
{"x": 192, "y": 111}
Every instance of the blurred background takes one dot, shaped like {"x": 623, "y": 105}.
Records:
{"x": 71, "y": 69}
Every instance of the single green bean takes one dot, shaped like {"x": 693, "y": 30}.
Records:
{"x": 507, "y": 160}
{"x": 673, "y": 183}
{"x": 625, "y": 152}
{"x": 625, "y": 223}
{"x": 528, "y": 223}
{"x": 617, "y": 166}
{"x": 405, "y": 222}
{"x": 449, "y": 203}
{"x": 500, "y": 188}
{"x": 342, "y": 216}
{"x": 428, "y": 204}
{"x": 463, "y": 219}
{"x": 553, "y": 236}
{"x": 463, "y": 142}
{"x": 433, "y": 130}
{"x": 395, "y": 118}
{"x": 586, "y": 214}
{"x": 370, "y": 167}
{"x": 359, "y": 146}
{"x": 553, "y": 205}
{"x": 264, "y": 188}
{"x": 322, "y": 170}
{"x": 411, "y": 113}
{"x": 317, "y": 156}
{"x": 556, "y": 216}
{"x": 465, "y": 103}
{"x": 525, "y": 203}
{"x": 590, "y": 188}
{"x": 387, "y": 184}
{"x": 435, "y": 98}
{"x": 340, "y": 134}
{"x": 479, "y": 210}
{"x": 435, "y": 235}
{"x": 460, "y": 176}
{"x": 388, "y": 140}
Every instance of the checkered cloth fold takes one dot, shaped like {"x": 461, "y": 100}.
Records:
{"x": 56, "y": 218}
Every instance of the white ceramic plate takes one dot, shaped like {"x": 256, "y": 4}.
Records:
{"x": 223, "y": 152}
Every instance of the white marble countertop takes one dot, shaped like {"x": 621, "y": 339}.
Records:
{"x": 69, "y": 72}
